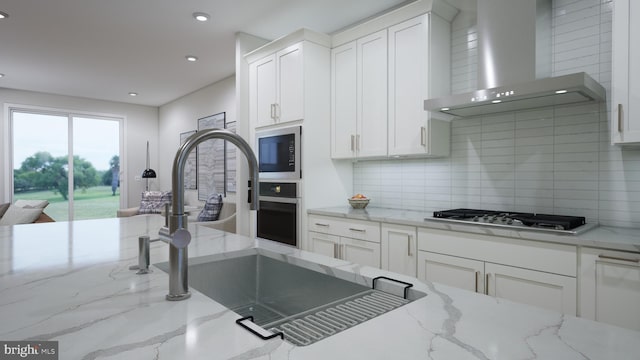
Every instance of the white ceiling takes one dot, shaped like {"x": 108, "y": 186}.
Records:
{"x": 104, "y": 49}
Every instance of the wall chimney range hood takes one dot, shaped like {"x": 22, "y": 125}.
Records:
{"x": 514, "y": 48}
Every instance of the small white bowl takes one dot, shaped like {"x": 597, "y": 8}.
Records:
{"x": 358, "y": 203}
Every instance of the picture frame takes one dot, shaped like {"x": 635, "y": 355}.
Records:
{"x": 191, "y": 166}
{"x": 211, "y": 159}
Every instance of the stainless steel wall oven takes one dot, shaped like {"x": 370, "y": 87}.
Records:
{"x": 279, "y": 214}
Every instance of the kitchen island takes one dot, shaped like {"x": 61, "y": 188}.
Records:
{"x": 70, "y": 282}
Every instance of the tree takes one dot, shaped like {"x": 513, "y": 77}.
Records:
{"x": 42, "y": 171}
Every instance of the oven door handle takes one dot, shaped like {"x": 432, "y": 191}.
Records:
{"x": 279, "y": 199}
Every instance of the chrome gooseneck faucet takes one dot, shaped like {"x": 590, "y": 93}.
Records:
{"x": 175, "y": 230}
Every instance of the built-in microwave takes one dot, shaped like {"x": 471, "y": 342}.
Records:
{"x": 278, "y": 152}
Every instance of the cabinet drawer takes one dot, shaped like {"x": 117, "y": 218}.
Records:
{"x": 355, "y": 229}
{"x": 548, "y": 257}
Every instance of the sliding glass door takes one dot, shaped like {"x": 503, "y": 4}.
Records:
{"x": 73, "y": 161}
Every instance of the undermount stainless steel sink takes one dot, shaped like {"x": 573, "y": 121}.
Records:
{"x": 305, "y": 305}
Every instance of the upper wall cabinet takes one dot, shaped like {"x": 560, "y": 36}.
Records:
{"x": 276, "y": 84}
{"x": 379, "y": 84}
{"x": 625, "y": 87}
{"x": 418, "y": 69}
{"x": 359, "y": 98}
{"x": 285, "y": 77}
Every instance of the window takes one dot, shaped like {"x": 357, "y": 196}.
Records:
{"x": 71, "y": 160}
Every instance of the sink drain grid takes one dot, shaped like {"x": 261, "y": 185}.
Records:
{"x": 315, "y": 325}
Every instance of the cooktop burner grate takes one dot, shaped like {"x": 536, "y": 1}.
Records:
{"x": 505, "y": 218}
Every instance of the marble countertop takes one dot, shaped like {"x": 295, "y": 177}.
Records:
{"x": 70, "y": 282}
{"x": 605, "y": 237}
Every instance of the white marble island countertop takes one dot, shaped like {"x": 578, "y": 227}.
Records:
{"x": 70, "y": 282}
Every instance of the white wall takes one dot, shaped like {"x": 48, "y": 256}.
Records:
{"x": 182, "y": 115}
{"x": 555, "y": 159}
{"x": 140, "y": 124}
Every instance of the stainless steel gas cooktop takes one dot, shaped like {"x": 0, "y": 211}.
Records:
{"x": 561, "y": 224}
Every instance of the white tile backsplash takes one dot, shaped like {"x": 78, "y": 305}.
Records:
{"x": 550, "y": 160}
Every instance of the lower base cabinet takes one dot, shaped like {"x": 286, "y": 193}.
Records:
{"x": 352, "y": 240}
{"x": 610, "y": 287}
{"x": 399, "y": 248}
{"x": 354, "y": 250}
{"x": 496, "y": 267}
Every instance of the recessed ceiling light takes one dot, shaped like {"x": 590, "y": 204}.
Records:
{"x": 3, "y": 15}
{"x": 1, "y": 75}
{"x": 200, "y": 16}
{"x": 191, "y": 58}
{"x": 133, "y": 94}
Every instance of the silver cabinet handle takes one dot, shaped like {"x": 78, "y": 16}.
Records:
{"x": 423, "y": 136}
{"x": 353, "y": 139}
{"x": 323, "y": 225}
{"x": 607, "y": 257}
{"x": 476, "y": 278}
{"x": 273, "y": 111}
{"x": 335, "y": 250}
{"x": 486, "y": 285}
{"x": 358, "y": 230}
{"x": 620, "y": 117}
{"x": 409, "y": 246}
{"x": 341, "y": 251}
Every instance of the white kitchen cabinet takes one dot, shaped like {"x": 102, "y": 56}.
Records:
{"x": 418, "y": 70}
{"x": 610, "y": 287}
{"x": 276, "y": 87}
{"x": 625, "y": 85}
{"x": 539, "y": 274}
{"x": 352, "y": 240}
{"x": 399, "y": 248}
{"x": 359, "y": 98}
{"x": 454, "y": 271}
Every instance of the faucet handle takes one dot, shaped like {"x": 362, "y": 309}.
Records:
{"x": 166, "y": 214}
{"x": 181, "y": 238}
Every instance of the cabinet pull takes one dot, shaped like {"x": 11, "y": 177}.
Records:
{"x": 486, "y": 285}
{"x": 323, "y": 225}
{"x": 353, "y": 139}
{"x": 476, "y": 276}
{"x": 273, "y": 111}
{"x": 620, "y": 125}
{"x": 358, "y": 230}
{"x": 335, "y": 251}
{"x": 409, "y": 246}
{"x": 607, "y": 257}
{"x": 423, "y": 136}
{"x": 341, "y": 252}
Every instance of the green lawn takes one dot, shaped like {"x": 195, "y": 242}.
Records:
{"x": 92, "y": 203}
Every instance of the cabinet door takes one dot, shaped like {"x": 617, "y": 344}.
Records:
{"x": 360, "y": 252}
{"x": 371, "y": 139}
{"x": 610, "y": 287}
{"x": 323, "y": 244}
{"x": 399, "y": 249}
{"x": 262, "y": 87}
{"x": 290, "y": 102}
{"x": 625, "y": 87}
{"x": 549, "y": 291}
{"x": 343, "y": 101}
{"x": 408, "y": 86}
{"x": 451, "y": 270}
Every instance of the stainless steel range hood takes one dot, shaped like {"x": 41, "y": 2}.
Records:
{"x": 514, "y": 42}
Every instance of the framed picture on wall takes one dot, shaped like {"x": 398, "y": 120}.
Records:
{"x": 191, "y": 167}
{"x": 211, "y": 159}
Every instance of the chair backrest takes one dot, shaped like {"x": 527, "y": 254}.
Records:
{"x": 228, "y": 209}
